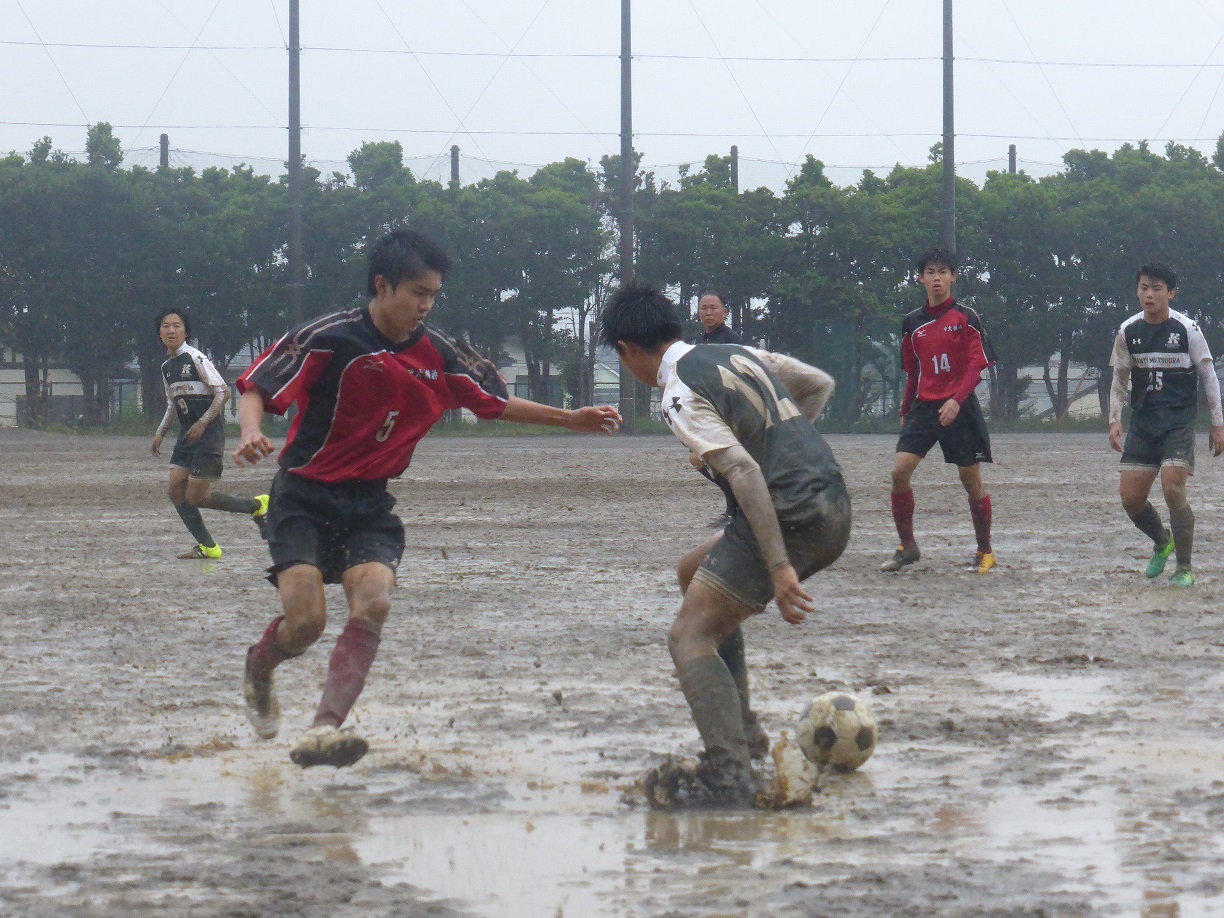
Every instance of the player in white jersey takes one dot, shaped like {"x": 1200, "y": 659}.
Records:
{"x": 1162, "y": 355}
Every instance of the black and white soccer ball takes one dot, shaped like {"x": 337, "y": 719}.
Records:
{"x": 837, "y": 731}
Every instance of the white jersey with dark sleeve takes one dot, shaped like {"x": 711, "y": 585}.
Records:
{"x": 193, "y": 387}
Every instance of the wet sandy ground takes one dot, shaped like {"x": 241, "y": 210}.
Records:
{"x": 1050, "y": 734}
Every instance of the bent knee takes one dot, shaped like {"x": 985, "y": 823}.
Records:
{"x": 304, "y": 630}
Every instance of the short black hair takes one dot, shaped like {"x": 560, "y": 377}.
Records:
{"x": 722, "y": 299}
{"x": 641, "y": 315}
{"x": 1158, "y": 270}
{"x": 173, "y": 311}
{"x": 405, "y": 255}
{"x": 937, "y": 255}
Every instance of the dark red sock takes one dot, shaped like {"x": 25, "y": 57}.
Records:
{"x": 980, "y": 511}
{"x": 266, "y": 654}
{"x": 346, "y": 673}
{"x": 903, "y": 516}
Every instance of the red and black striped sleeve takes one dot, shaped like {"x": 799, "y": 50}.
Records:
{"x": 471, "y": 379}
{"x": 290, "y": 366}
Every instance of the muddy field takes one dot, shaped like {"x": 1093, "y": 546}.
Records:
{"x": 1050, "y": 733}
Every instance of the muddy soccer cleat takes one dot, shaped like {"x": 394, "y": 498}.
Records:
{"x": 727, "y": 783}
{"x": 260, "y": 516}
{"x": 1182, "y": 577}
{"x": 985, "y": 561}
{"x": 263, "y": 710}
{"x": 1160, "y": 557}
{"x": 202, "y": 552}
{"x": 328, "y": 745}
{"x": 901, "y": 557}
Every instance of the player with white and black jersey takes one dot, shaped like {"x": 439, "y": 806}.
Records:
{"x": 747, "y": 414}
{"x": 195, "y": 394}
{"x": 1162, "y": 356}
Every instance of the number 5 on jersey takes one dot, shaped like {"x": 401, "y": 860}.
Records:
{"x": 385, "y": 430}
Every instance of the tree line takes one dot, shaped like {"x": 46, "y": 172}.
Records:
{"x": 89, "y": 251}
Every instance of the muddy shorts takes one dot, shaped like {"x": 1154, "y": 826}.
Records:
{"x": 202, "y": 459}
{"x": 964, "y": 442}
{"x": 734, "y": 566}
{"x": 331, "y": 526}
{"x": 1149, "y": 452}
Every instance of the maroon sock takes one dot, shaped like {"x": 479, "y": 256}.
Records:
{"x": 266, "y": 654}
{"x": 903, "y": 516}
{"x": 980, "y": 511}
{"x": 346, "y": 673}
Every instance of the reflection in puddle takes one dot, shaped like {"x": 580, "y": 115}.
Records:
{"x": 1058, "y": 696}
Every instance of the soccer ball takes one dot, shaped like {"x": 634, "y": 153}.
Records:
{"x": 837, "y": 730}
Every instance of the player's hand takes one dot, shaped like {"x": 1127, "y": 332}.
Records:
{"x": 595, "y": 419}
{"x": 1216, "y": 440}
{"x": 1115, "y": 436}
{"x": 255, "y": 446}
{"x": 948, "y": 412}
{"x": 155, "y": 448}
{"x": 195, "y": 431}
{"x": 793, "y": 602}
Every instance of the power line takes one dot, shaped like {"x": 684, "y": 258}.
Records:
{"x": 1193, "y": 80}
{"x": 51, "y": 58}
{"x": 1040, "y": 68}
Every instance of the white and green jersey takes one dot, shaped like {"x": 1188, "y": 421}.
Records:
{"x": 721, "y": 395}
{"x": 191, "y": 383}
{"x": 1165, "y": 361}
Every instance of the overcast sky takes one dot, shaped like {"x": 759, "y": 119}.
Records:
{"x": 520, "y": 83}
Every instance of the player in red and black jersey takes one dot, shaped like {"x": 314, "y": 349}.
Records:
{"x": 943, "y": 351}
{"x": 369, "y": 383}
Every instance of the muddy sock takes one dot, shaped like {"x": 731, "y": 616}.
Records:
{"x": 266, "y": 654}
{"x": 195, "y": 524}
{"x": 981, "y": 513}
{"x": 227, "y": 503}
{"x": 731, "y": 651}
{"x": 714, "y": 702}
{"x": 1148, "y": 521}
{"x": 903, "y": 516}
{"x": 1181, "y": 521}
{"x": 346, "y": 673}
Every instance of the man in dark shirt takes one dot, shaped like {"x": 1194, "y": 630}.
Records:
{"x": 712, "y": 314}
{"x": 369, "y": 383}
{"x": 748, "y": 415}
{"x": 1163, "y": 355}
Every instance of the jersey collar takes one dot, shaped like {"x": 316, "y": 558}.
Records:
{"x": 181, "y": 350}
{"x": 671, "y": 357}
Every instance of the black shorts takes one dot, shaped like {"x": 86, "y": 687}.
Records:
{"x": 331, "y": 526}
{"x": 964, "y": 442}
{"x": 1149, "y": 452}
{"x": 202, "y": 459}
{"x": 734, "y": 566}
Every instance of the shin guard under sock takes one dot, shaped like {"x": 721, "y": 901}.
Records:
{"x": 903, "y": 516}
{"x": 346, "y": 673}
{"x": 1181, "y": 521}
{"x": 981, "y": 513}
{"x": 266, "y": 654}
{"x": 715, "y": 705}
{"x": 227, "y": 503}
{"x": 731, "y": 651}
{"x": 195, "y": 524}
{"x": 1148, "y": 522}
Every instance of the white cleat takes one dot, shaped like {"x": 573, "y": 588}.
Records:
{"x": 328, "y": 745}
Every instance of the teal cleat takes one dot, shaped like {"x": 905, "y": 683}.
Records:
{"x": 1160, "y": 557}
{"x": 1182, "y": 577}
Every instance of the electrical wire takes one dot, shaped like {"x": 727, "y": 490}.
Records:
{"x": 51, "y": 58}
{"x": 1193, "y": 79}
{"x": 1040, "y": 68}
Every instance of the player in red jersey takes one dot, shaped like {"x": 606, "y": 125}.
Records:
{"x": 369, "y": 383}
{"x": 943, "y": 351}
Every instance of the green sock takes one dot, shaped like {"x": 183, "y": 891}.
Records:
{"x": 195, "y": 524}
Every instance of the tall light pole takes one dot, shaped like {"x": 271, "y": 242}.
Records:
{"x": 628, "y": 407}
{"x": 947, "y": 204}
{"x": 297, "y": 263}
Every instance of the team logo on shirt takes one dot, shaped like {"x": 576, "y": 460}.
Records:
{"x": 186, "y": 370}
{"x": 373, "y": 363}
{"x": 423, "y": 374}
{"x": 953, "y": 327}
{"x": 1174, "y": 340}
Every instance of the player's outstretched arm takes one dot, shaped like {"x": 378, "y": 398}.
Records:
{"x": 594, "y": 419}
{"x": 255, "y": 445}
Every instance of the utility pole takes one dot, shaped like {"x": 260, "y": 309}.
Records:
{"x": 165, "y": 151}
{"x": 297, "y": 262}
{"x": 454, "y": 182}
{"x": 1011, "y": 158}
{"x": 628, "y": 385}
{"x": 947, "y": 208}
{"x": 735, "y": 168}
